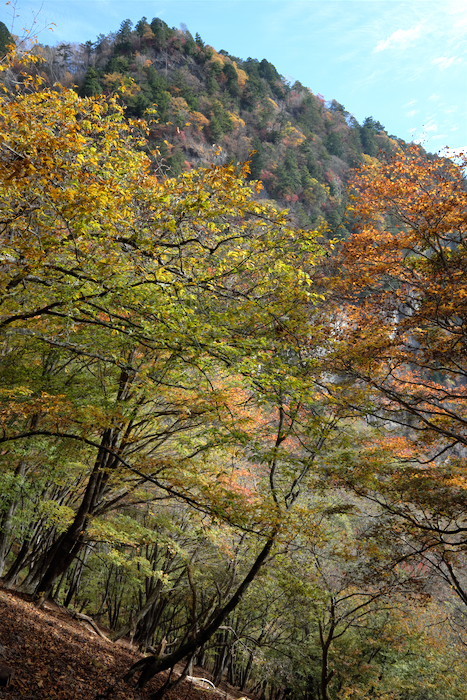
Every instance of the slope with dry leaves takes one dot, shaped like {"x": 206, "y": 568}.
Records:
{"x": 53, "y": 656}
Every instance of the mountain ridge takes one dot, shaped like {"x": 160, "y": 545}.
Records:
{"x": 205, "y": 105}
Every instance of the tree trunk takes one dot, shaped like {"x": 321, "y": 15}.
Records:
{"x": 58, "y": 558}
{"x": 136, "y": 624}
{"x": 221, "y": 661}
{"x": 326, "y": 642}
{"x": 76, "y": 578}
{"x": 151, "y": 665}
{"x": 6, "y": 520}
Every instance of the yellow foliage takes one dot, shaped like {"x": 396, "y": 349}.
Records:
{"x": 237, "y": 121}
{"x": 179, "y": 103}
{"x": 198, "y": 120}
{"x": 294, "y": 136}
{"x": 217, "y": 58}
{"x": 122, "y": 84}
{"x": 241, "y": 75}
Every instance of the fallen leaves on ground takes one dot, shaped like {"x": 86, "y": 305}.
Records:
{"x": 55, "y": 657}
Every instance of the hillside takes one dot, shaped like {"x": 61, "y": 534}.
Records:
{"x": 54, "y": 656}
{"x": 222, "y": 436}
{"x": 203, "y": 105}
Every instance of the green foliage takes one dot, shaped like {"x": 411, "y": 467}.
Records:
{"x": 174, "y": 406}
{"x": 6, "y": 40}
{"x": 288, "y": 174}
{"x": 92, "y": 85}
{"x": 162, "y": 33}
{"x": 123, "y": 42}
{"x": 220, "y": 121}
{"x": 368, "y": 133}
{"x": 232, "y": 80}
{"x": 334, "y": 144}
{"x": 142, "y": 26}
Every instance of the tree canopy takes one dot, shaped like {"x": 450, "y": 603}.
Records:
{"x": 221, "y": 434}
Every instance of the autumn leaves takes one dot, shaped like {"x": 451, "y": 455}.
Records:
{"x": 177, "y": 347}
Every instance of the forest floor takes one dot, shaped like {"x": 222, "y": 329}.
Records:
{"x": 57, "y": 657}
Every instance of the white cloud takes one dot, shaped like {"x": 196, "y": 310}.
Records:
{"x": 431, "y": 126}
{"x": 412, "y": 113}
{"x": 444, "y": 62}
{"x": 427, "y": 132}
{"x": 400, "y": 39}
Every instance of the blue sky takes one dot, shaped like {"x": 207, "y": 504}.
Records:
{"x": 402, "y": 62}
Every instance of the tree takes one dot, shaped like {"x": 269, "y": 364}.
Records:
{"x": 232, "y": 79}
{"x": 423, "y": 509}
{"x": 174, "y": 387}
{"x": 155, "y": 288}
{"x": 400, "y": 354}
{"x": 402, "y": 283}
{"x": 6, "y": 40}
{"x": 162, "y": 33}
{"x": 141, "y": 26}
{"x": 124, "y": 37}
{"x": 92, "y": 85}
{"x": 368, "y": 133}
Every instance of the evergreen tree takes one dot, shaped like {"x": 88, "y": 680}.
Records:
{"x": 368, "y": 132}
{"x": 92, "y": 85}
{"x": 257, "y": 161}
{"x": 5, "y": 39}
{"x": 232, "y": 79}
{"x": 141, "y": 26}
{"x": 124, "y": 35}
{"x": 334, "y": 144}
{"x": 162, "y": 33}
{"x": 288, "y": 173}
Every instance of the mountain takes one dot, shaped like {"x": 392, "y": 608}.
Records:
{"x": 205, "y": 106}
{"x": 216, "y": 438}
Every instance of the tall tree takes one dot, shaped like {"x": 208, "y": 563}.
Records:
{"x": 156, "y": 287}
{"x": 402, "y": 279}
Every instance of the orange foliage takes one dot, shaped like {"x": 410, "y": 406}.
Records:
{"x": 400, "y": 281}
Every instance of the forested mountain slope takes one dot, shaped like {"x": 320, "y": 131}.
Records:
{"x": 204, "y": 105}
{"x": 222, "y": 435}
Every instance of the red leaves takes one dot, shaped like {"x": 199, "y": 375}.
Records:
{"x": 401, "y": 280}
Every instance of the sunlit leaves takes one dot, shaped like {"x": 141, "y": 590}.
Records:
{"x": 402, "y": 277}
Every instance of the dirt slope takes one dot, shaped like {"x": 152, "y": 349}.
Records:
{"x": 55, "y": 657}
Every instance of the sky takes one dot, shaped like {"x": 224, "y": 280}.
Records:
{"x": 403, "y": 62}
